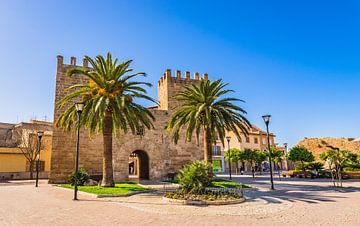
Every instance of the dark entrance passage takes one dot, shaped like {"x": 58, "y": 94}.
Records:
{"x": 139, "y": 165}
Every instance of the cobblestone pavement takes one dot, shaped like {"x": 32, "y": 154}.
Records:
{"x": 294, "y": 202}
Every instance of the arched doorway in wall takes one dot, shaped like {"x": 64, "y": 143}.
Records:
{"x": 139, "y": 165}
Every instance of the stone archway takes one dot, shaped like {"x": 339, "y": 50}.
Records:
{"x": 139, "y": 165}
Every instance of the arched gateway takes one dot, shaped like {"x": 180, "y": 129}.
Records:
{"x": 139, "y": 165}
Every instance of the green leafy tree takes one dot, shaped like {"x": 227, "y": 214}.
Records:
{"x": 250, "y": 156}
{"x": 335, "y": 159}
{"x": 233, "y": 155}
{"x": 301, "y": 154}
{"x": 203, "y": 108}
{"x": 260, "y": 156}
{"x": 109, "y": 96}
{"x": 353, "y": 164}
{"x": 277, "y": 157}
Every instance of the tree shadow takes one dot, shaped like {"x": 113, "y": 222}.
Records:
{"x": 303, "y": 193}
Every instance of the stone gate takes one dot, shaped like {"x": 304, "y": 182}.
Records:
{"x": 163, "y": 157}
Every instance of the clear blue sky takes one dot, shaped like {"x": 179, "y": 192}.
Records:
{"x": 296, "y": 60}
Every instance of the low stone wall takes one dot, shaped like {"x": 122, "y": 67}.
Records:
{"x": 22, "y": 175}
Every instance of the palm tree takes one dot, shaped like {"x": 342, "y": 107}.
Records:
{"x": 204, "y": 109}
{"x": 109, "y": 108}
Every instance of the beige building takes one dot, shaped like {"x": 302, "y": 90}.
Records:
{"x": 148, "y": 154}
{"x": 13, "y": 139}
{"x": 256, "y": 139}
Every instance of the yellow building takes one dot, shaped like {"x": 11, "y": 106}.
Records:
{"x": 20, "y": 140}
{"x": 256, "y": 139}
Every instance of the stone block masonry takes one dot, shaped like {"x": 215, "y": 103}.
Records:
{"x": 164, "y": 157}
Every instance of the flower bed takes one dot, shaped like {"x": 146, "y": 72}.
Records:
{"x": 211, "y": 196}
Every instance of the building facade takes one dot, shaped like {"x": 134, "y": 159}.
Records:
{"x": 15, "y": 139}
{"x": 148, "y": 154}
{"x": 256, "y": 140}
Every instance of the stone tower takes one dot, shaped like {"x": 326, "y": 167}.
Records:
{"x": 157, "y": 155}
{"x": 169, "y": 86}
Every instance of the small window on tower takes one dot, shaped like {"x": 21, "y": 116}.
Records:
{"x": 140, "y": 131}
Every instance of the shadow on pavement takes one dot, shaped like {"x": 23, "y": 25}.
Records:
{"x": 293, "y": 189}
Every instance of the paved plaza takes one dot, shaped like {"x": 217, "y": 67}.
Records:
{"x": 294, "y": 202}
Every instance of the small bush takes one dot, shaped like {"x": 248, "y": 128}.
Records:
{"x": 301, "y": 167}
{"x": 82, "y": 177}
{"x": 195, "y": 177}
{"x": 310, "y": 166}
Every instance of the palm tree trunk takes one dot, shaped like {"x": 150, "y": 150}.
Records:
{"x": 207, "y": 146}
{"x": 107, "y": 180}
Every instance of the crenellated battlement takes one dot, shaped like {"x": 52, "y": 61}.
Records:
{"x": 60, "y": 62}
{"x": 170, "y": 85}
{"x": 178, "y": 78}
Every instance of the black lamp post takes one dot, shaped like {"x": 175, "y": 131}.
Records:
{"x": 79, "y": 108}
{"x": 287, "y": 163}
{"x": 267, "y": 120}
{"x": 40, "y": 135}
{"x": 228, "y": 140}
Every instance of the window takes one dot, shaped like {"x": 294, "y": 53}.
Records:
{"x": 247, "y": 139}
{"x": 140, "y": 131}
{"x": 256, "y": 140}
{"x": 216, "y": 150}
{"x": 264, "y": 140}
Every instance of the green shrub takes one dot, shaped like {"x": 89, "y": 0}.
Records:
{"x": 195, "y": 177}
{"x": 301, "y": 167}
{"x": 82, "y": 177}
{"x": 310, "y": 166}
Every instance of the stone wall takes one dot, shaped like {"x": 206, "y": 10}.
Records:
{"x": 164, "y": 156}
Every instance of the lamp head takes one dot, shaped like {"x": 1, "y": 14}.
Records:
{"x": 79, "y": 107}
{"x": 228, "y": 138}
{"x": 266, "y": 119}
{"x": 40, "y": 134}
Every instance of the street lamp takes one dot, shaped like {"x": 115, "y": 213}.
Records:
{"x": 79, "y": 108}
{"x": 267, "y": 120}
{"x": 40, "y": 135}
{"x": 287, "y": 163}
{"x": 228, "y": 140}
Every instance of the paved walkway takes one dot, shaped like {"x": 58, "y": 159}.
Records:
{"x": 294, "y": 202}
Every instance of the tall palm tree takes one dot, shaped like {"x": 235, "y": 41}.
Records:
{"x": 109, "y": 108}
{"x": 204, "y": 109}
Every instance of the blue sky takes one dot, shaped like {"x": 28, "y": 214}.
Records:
{"x": 296, "y": 60}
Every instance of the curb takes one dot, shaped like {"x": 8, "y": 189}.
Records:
{"x": 121, "y": 195}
